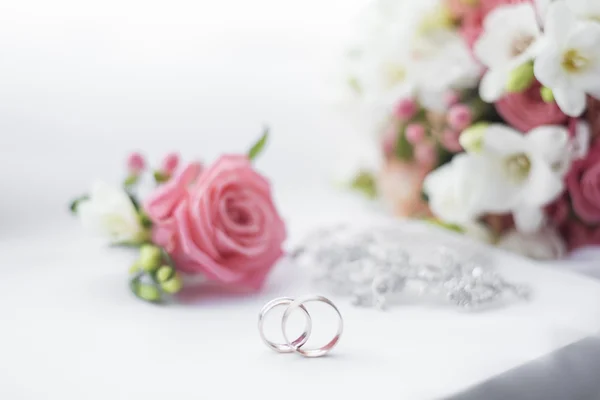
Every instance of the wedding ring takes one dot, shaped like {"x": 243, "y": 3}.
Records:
{"x": 288, "y": 347}
{"x": 321, "y": 351}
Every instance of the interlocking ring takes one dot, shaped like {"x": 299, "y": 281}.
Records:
{"x": 284, "y": 347}
{"x": 296, "y": 345}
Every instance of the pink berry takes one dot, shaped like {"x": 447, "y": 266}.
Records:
{"x": 451, "y": 98}
{"x": 425, "y": 154}
{"x": 415, "y": 133}
{"x": 406, "y": 109}
{"x": 135, "y": 164}
{"x": 450, "y": 140}
{"x": 170, "y": 164}
{"x": 460, "y": 117}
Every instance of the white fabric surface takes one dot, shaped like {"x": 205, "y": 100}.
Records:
{"x": 83, "y": 84}
{"x": 72, "y": 330}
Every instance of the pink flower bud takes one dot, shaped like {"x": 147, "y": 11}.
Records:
{"x": 451, "y": 98}
{"x": 450, "y": 140}
{"x": 170, "y": 164}
{"x": 415, "y": 133}
{"x": 425, "y": 154}
{"x": 460, "y": 117}
{"x": 135, "y": 164}
{"x": 406, "y": 109}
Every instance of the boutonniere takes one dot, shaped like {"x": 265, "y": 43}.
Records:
{"x": 219, "y": 221}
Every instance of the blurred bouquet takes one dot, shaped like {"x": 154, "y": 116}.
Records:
{"x": 488, "y": 113}
{"x": 219, "y": 222}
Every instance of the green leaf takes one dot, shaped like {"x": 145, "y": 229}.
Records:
{"x": 404, "y": 149}
{"x": 258, "y": 147}
{"x": 145, "y": 219}
{"x": 75, "y": 203}
{"x": 365, "y": 183}
{"x": 159, "y": 177}
{"x": 131, "y": 180}
{"x": 134, "y": 201}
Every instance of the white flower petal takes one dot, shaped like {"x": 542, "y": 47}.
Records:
{"x": 109, "y": 212}
{"x": 594, "y": 93}
{"x": 586, "y": 41}
{"x": 551, "y": 142}
{"x": 493, "y": 84}
{"x": 528, "y": 219}
{"x": 502, "y": 140}
{"x": 542, "y": 8}
{"x": 497, "y": 193}
{"x": 453, "y": 191}
{"x": 585, "y": 8}
{"x": 492, "y": 50}
{"x": 543, "y": 184}
{"x": 548, "y": 66}
{"x": 581, "y": 142}
{"x": 560, "y": 20}
{"x": 571, "y": 100}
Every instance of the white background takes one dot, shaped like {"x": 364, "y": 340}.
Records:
{"x": 82, "y": 83}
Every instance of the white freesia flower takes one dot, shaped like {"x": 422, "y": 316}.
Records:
{"x": 453, "y": 190}
{"x": 523, "y": 173}
{"x": 110, "y": 213}
{"x": 509, "y": 39}
{"x": 397, "y": 59}
{"x": 440, "y": 61}
{"x": 569, "y": 59}
{"x": 546, "y": 244}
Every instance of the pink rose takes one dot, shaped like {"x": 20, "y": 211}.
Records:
{"x": 583, "y": 183}
{"x": 161, "y": 204}
{"x": 527, "y": 110}
{"x": 593, "y": 116}
{"x": 578, "y": 235}
{"x": 226, "y": 226}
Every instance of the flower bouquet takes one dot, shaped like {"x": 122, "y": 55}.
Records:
{"x": 219, "y": 222}
{"x": 488, "y": 114}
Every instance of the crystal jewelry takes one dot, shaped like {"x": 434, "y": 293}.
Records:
{"x": 284, "y": 347}
{"x": 295, "y": 346}
{"x": 374, "y": 267}
{"x": 321, "y": 351}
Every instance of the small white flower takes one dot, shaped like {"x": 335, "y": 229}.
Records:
{"x": 545, "y": 244}
{"x": 509, "y": 39}
{"x": 569, "y": 59}
{"x": 453, "y": 190}
{"x": 110, "y": 213}
{"x": 523, "y": 173}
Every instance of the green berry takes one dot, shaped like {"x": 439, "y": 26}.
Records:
{"x": 472, "y": 138}
{"x": 148, "y": 292}
{"x": 134, "y": 269}
{"x": 164, "y": 273}
{"x": 150, "y": 257}
{"x": 520, "y": 78}
{"x": 173, "y": 285}
{"x": 547, "y": 94}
